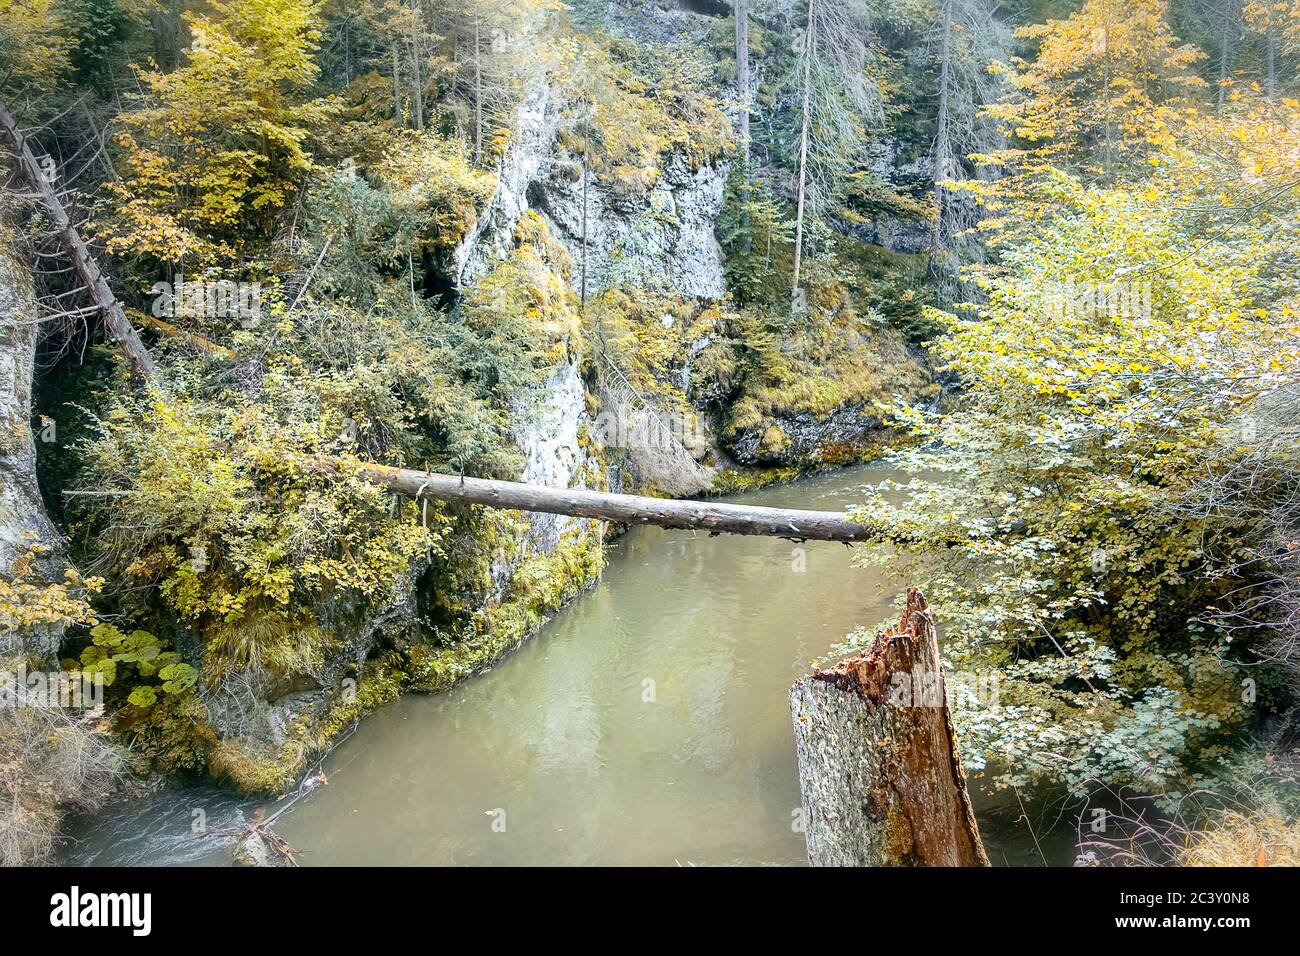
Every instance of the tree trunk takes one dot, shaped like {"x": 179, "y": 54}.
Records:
{"x": 397, "y": 88}
{"x": 1271, "y": 63}
{"x": 624, "y": 509}
{"x": 83, "y": 262}
{"x": 942, "y": 149}
{"x": 879, "y": 767}
{"x": 1225, "y": 51}
{"x": 742, "y": 77}
{"x": 166, "y": 23}
{"x": 478, "y": 97}
{"x": 1107, "y": 103}
{"x": 803, "y": 148}
{"x": 586, "y": 176}
{"x": 417, "y": 83}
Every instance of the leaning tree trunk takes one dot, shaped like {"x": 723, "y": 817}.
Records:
{"x": 879, "y": 768}
{"x": 83, "y": 260}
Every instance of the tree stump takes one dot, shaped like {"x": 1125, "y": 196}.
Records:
{"x": 879, "y": 767}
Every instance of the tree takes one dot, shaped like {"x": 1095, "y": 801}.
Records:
{"x": 841, "y": 100}
{"x": 1277, "y": 22}
{"x": 1229, "y": 17}
{"x": 742, "y": 79}
{"x": 215, "y": 148}
{"x": 411, "y": 46}
{"x": 971, "y": 38}
{"x": 34, "y": 48}
{"x": 1105, "y": 381}
{"x": 1089, "y": 96}
{"x": 496, "y": 54}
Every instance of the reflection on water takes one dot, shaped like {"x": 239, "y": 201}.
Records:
{"x": 647, "y": 724}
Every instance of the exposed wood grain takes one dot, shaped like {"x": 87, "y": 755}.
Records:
{"x": 879, "y": 767}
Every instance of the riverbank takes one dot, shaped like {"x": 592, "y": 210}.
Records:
{"x": 647, "y": 723}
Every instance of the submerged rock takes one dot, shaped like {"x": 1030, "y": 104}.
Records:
{"x": 255, "y": 849}
{"x": 806, "y": 438}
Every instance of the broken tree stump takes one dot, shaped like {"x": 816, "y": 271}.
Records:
{"x": 879, "y": 767}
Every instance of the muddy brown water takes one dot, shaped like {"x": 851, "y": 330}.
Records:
{"x": 647, "y": 724}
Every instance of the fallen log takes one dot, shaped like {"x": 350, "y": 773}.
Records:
{"x": 712, "y": 516}
{"x": 879, "y": 768}
{"x": 83, "y": 261}
{"x": 625, "y": 509}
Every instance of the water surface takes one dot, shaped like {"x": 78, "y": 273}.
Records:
{"x": 647, "y": 724}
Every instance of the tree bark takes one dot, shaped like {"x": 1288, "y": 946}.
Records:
{"x": 478, "y": 97}
{"x": 625, "y": 509}
{"x": 1225, "y": 50}
{"x": 1271, "y": 63}
{"x": 742, "y": 77}
{"x": 942, "y": 149}
{"x": 83, "y": 261}
{"x": 879, "y": 767}
{"x": 803, "y": 147}
{"x": 397, "y": 87}
{"x": 586, "y": 177}
{"x": 417, "y": 82}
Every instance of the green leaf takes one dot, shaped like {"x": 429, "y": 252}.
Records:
{"x": 143, "y": 696}
{"x": 106, "y": 635}
{"x": 178, "y": 678}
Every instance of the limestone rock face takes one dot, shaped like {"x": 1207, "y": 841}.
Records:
{"x": 803, "y": 436}
{"x": 548, "y": 433}
{"x": 23, "y": 520}
{"x": 664, "y": 239}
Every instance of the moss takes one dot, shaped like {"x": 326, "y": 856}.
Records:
{"x": 253, "y": 773}
{"x": 265, "y": 770}
{"x": 732, "y": 481}
{"x": 773, "y": 442}
{"x": 539, "y": 587}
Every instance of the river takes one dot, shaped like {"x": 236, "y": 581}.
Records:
{"x": 647, "y": 724}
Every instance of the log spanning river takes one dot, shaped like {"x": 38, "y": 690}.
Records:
{"x": 647, "y": 724}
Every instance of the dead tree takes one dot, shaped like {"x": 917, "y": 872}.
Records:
{"x": 713, "y": 516}
{"x": 83, "y": 261}
{"x": 879, "y": 767}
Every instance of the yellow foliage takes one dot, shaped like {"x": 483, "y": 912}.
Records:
{"x": 216, "y": 146}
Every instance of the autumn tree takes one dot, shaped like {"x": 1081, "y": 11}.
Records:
{"x": 214, "y": 149}
{"x": 1088, "y": 99}
{"x": 1277, "y": 24}
{"x": 34, "y": 49}
{"x": 1078, "y": 529}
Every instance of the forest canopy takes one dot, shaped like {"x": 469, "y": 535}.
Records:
{"x": 1039, "y": 255}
